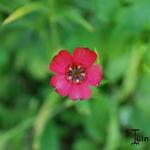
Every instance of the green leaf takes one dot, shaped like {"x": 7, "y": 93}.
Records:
{"x": 83, "y": 107}
{"x": 116, "y": 67}
{"x": 113, "y": 134}
{"x": 96, "y": 122}
{"x": 131, "y": 76}
{"x": 22, "y": 11}
{"x": 140, "y": 116}
{"x": 19, "y": 129}
{"x": 75, "y": 16}
{"x": 84, "y": 144}
{"x": 46, "y": 111}
{"x": 51, "y": 137}
{"x": 146, "y": 69}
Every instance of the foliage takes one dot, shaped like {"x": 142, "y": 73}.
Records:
{"x": 32, "y": 115}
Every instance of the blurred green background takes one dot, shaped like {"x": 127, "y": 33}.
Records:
{"x": 32, "y": 115}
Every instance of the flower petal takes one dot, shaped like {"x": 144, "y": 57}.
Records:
{"x": 61, "y": 85}
{"x": 60, "y": 62}
{"x": 84, "y": 56}
{"x": 95, "y": 74}
{"x": 80, "y": 92}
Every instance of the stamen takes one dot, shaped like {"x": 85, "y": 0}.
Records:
{"x": 76, "y": 74}
{"x": 70, "y": 77}
{"x": 70, "y": 68}
{"x": 83, "y": 74}
{"x": 77, "y": 80}
{"x": 79, "y": 67}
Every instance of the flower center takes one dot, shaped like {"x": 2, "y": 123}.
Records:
{"x": 76, "y": 74}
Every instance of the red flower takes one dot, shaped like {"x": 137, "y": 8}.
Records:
{"x": 75, "y": 74}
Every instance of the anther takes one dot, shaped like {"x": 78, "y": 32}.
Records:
{"x": 70, "y": 77}
{"x": 77, "y": 80}
{"x": 70, "y": 68}
{"x": 83, "y": 74}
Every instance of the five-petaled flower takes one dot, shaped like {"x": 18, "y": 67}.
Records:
{"x": 74, "y": 74}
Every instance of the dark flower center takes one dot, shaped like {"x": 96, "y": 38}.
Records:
{"x": 76, "y": 74}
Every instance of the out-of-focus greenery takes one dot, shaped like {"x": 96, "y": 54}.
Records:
{"x": 32, "y": 115}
